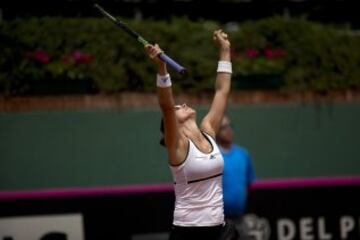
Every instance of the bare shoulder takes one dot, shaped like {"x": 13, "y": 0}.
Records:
{"x": 178, "y": 155}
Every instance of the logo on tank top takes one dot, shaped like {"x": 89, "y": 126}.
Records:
{"x": 213, "y": 156}
{"x": 210, "y": 157}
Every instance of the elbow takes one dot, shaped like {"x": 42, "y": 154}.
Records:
{"x": 223, "y": 84}
{"x": 223, "y": 90}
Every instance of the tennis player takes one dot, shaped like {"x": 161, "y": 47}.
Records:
{"x": 194, "y": 157}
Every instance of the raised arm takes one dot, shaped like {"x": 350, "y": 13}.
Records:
{"x": 166, "y": 102}
{"x": 212, "y": 120}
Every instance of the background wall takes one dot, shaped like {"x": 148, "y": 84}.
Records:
{"x": 119, "y": 147}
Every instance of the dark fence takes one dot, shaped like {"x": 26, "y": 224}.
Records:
{"x": 288, "y": 209}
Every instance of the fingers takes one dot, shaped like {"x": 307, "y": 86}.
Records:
{"x": 221, "y": 38}
{"x": 220, "y": 35}
{"x": 153, "y": 50}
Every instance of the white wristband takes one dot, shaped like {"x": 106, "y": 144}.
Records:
{"x": 163, "y": 81}
{"x": 224, "y": 67}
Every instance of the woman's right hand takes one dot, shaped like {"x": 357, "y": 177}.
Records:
{"x": 153, "y": 51}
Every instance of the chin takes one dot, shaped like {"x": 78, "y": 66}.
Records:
{"x": 192, "y": 114}
{"x": 188, "y": 116}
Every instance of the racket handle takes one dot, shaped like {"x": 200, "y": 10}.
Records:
{"x": 172, "y": 63}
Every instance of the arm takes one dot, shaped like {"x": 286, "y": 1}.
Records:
{"x": 166, "y": 102}
{"x": 212, "y": 120}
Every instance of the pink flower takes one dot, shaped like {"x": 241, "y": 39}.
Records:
{"x": 251, "y": 53}
{"x": 81, "y": 57}
{"x": 274, "y": 53}
{"x": 40, "y": 55}
{"x": 78, "y": 57}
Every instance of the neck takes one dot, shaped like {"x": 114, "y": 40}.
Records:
{"x": 191, "y": 130}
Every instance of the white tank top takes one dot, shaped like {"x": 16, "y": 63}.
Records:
{"x": 198, "y": 187}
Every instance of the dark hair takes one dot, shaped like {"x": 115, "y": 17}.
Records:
{"x": 162, "y": 130}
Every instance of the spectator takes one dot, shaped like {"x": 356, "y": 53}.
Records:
{"x": 238, "y": 172}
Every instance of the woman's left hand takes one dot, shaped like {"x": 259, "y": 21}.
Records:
{"x": 221, "y": 38}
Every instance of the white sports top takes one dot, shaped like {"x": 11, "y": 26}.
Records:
{"x": 198, "y": 187}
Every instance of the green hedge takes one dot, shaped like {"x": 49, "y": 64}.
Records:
{"x": 94, "y": 55}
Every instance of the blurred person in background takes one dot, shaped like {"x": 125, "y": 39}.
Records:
{"x": 194, "y": 158}
{"x": 238, "y": 173}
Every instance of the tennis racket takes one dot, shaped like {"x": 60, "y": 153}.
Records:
{"x": 140, "y": 39}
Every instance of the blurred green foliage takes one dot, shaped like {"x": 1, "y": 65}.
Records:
{"x": 304, "y": 54}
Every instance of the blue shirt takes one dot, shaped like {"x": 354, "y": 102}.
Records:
{"x": 238, "y": 174}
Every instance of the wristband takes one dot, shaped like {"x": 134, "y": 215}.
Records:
{"x": 163, "y": 81}
{"x": 224, "y": 67}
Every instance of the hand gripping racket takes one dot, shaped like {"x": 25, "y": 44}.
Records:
{"x": 140, "y": 39}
